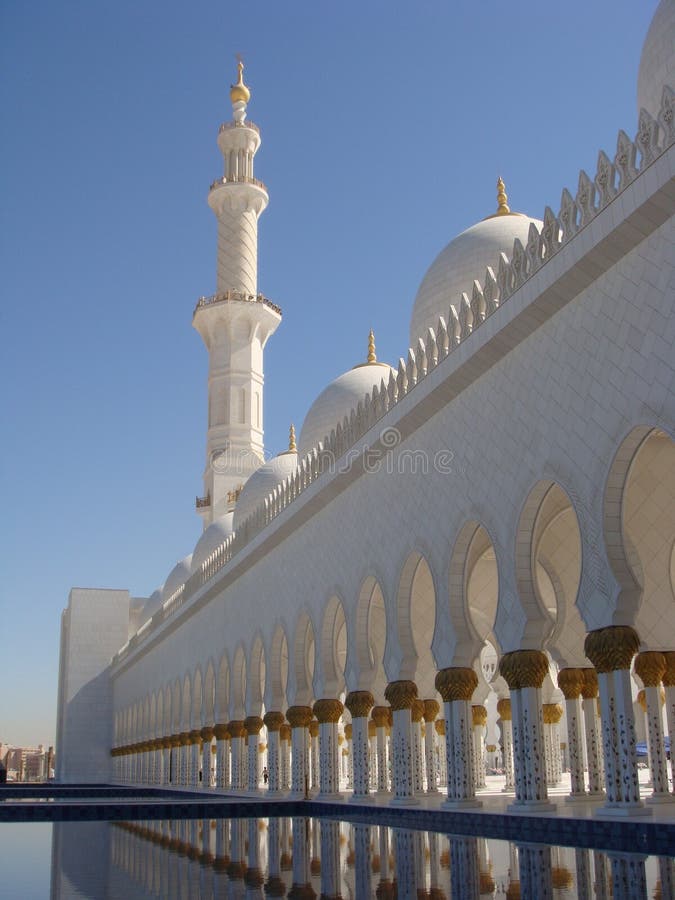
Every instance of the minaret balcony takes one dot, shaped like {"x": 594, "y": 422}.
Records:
{"x": 235, "y": 297}
{"x": 237, "y": 179}
{"x": 203, "y": 502}
{"x": 232, "y": 124}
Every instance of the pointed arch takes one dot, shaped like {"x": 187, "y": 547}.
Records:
{"x": 371, "y": 636}
{"x": 416, "y": 613}
{"x": 239, "y": 684}
{"x": 303, "y": 661}
{"x": 196, "y": 709}
{"x": 223, "y": 690}
{"x": 277, "y": 679}
{"x": 256, "y": 678}
{"x": 209, "y": 697}
{"x": 333, "y": 653}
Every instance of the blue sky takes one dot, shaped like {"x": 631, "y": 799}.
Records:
{"x": 384, "y": 125}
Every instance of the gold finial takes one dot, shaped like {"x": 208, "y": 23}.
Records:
{"x": 371, "y": 347}
{"x": 502, "y": 206}
{"x": 239, "y": 91}
{"x": 292, "y": 447}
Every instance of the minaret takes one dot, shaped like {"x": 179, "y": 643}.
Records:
{"x": 236, "y": 321}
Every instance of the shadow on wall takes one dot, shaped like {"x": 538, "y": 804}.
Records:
{"x": 87, "y": 734}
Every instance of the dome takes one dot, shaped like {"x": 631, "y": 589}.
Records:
{"x": 464, "y": 261}
{"x": 212, "y": 537}
{"x": 657, "y": 62}
{"x": 177, "y": 577}
{"x": 340, "y": 397}
{"x": 263, "y": 481}
{"x": 153, "y": 603}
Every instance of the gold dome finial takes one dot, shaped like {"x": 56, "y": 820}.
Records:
{"x": 371, "y": 347}
{"x": 239, "y": 91}
{"x": 292, "y": 446}
{"x": 502, "y": 206}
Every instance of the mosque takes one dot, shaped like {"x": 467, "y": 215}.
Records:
{"x": 462, "y": 561}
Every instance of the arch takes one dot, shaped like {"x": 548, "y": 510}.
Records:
{"x": 176, "y": 707}
{"x": 303, "y": 661}
{"x": 152, "y": 722}
{"x": 209, "y": 696}
{"x": 256, "y": 678}
{"x": 370, "y": 636}
{"x": 639, "y": 532}
{"x": 416, "y": 614}
{"x": 159, "y": 722}
{"x": 238, "y": 687}
{"x": 223, "y": 690}
{"x": 277, "y": 673}
{"x": 332, "y": 657}
{"x": 197, "y": 699}
{"x": 168, "y": 720}
{"x": 473, "y": 582}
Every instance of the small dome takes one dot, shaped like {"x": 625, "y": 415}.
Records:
{"x": 153, "y": 603}
{"x": 177, "y": 577}
{"x": 212, "y": 537}
{"x": 464, "y": 261}
{"x": 340, "y": 397}
{"x": 261, "y": 483}
{"x": 657, "y": 61}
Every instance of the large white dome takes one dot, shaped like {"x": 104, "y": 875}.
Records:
{"x": 177, "y": 577}
{"x": 462, "y": 262}
{"x": 261, "y": 483}
{"x": 338, "y": 400}
{"x": 212, "y": 537}
{"x": 657, "y": 62}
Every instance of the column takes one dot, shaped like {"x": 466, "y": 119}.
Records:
{"x": 479, "y": 724}
{"x": 195, "y": 757}
{"x": 416, "y": 716}
{"x": 536, "y": 878}
{"x": 552, "y": 714}
{"x": 359, "y": 704}
{"x": 222, "y": 763}
{"x": 456, "y": 686}
{"x": 362, "y": 867}
{"x": 571, "y": 682}
{"x": 348, "y": 758}
{"x": 629, "y": 881}
{"x": 372, "y": 754}
{"x": 464, "y": 866}
{"x": 504, "y": 710}
{"x": 237, "y": 732}
{"x": 328, "y": 713}
{"x": 313, "y": 760}
{"x": 185, "y": 758}
{"x": 669, "y": 687}
{"x": 381, "y": 717}
{"x": 400, "y": 695}
{"x": 176, "y": 753}
{"x": 273, "y": 722}
{"x": 274, "y": 887}
{"x": 524, "y": 671}
{"x": 431, "y": 710}
{"x": 330, "y": 858}
{"x": 206, "y": 735}
{"x": 440, "y": 751}
{"x": 611, "y": 650}
{"x": 650, "y": 666}
{"x": 593, "y": 732}
{"x": 301, "y": 874}
{"x": 299, "y": 718}
{"x": 253, "y": 726}
{"x": 285, "y": 757}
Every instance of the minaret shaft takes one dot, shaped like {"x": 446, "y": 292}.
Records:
{"x": 236, "y": 322}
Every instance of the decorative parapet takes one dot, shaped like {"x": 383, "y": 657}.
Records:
{"x": 238, "y": 179}
{"x": 234, "y": 124}
{"x": 203, "y": 502}
{"x": 241, "y": 296}
{"x": 613, "y": 176}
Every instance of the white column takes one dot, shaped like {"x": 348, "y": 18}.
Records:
{"x": 328, "y": 713}
{"x": 381, "y": 718}
{"x": 285, "y": 757}
{"x": 431, "y": 710}
{"x": 669, "y": 687}
{"x": 400, "y": 695}
{"x": 478, "y": 723}
{"x": 651, "y": 668}
{"x": 439, "y": 726}
{"x": 359, "y": 704}
{"x": 207, "y": 735}
{"x": 222, "y": 763}
{"x": 273, "y": 722}
{"x": 299, "y": 718}
{"x": 237, "y": 776}
{"x": 195, "y": 758}
{"x": 416, "y": 715}
{"x": 593, "y": 734}
{"x": 313, "y": 757}
{"x": 456, "y": 685}
{"x": 552, "y": 713}
{"x": 505, "y": 715}
{"x": 253, "y": 726}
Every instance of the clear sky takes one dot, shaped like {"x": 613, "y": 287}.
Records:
{"x": 384, "y": 126}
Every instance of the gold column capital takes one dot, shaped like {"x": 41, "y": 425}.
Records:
{"x": 327, "y": 710}
{"x": 439, "y": 725}
{"x": 642, "y": 700}
{"x": 207, "y": 733}
{"x": 314, "y": 728}
{"x": 299, "y": 716}
{"x": 285, "y": 732}
{"x": 372, "y": 729}
{"x": 478, "y": 715}
{"x": 221, "y": 732}
{"x": 612, "y": 648}
{"x": 236, "y": 728}
{"x": 571, "y": 683}
{"x": 456, "y": 683}
{"x": 417, "y": 710}
{"x": 381, "y": 716}
{"x": 196, "y": 736}
{"x": 400, "y": 694}
{"x": 431, "y": 710}
{"x": 348, "y": 731}
{"x": 650, "y": 665}
{"x": 524, "y": 668}
{"x": 359, "y": 703}
{"x": 504, "y": 709}
{"x": 669, "y": 674}
{"x": 552, "y": 713}
{"x": 253, "y": 725}
{"x": 589, "y": 689}
{"x": 273, "y": 720}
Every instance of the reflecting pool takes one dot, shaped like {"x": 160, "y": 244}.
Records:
{"x": 302, "y": 857}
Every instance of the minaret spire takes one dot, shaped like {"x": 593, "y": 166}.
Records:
{"x": 503, "y": 208}
{"x": 236, "y": 321}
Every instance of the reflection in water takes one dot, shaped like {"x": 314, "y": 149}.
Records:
{"x": 206, "y": 859}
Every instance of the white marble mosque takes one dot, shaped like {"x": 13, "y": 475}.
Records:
{"x": 466, "y": 560}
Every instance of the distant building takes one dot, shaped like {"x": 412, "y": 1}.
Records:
{"x": 26, "y": 763}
